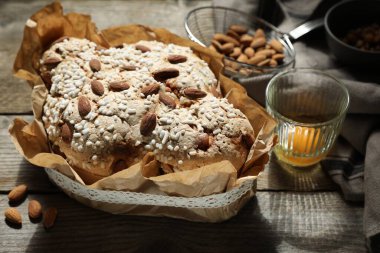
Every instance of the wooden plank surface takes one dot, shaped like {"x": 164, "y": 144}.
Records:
{"x": 272, "y": 222}
{"x": 16, "y": 170}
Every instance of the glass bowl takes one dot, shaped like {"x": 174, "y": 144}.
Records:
{"x": 202, "y": 23}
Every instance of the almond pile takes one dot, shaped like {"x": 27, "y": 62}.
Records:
{"x": 13, "y": 216}
{"x": 254, "y": 49}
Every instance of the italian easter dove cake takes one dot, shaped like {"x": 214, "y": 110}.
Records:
{"x": 107, "y": 108}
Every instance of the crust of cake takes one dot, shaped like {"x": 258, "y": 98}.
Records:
{"x": 107, "y": 108}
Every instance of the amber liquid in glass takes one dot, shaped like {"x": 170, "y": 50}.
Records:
{"x": 303, "y": 145}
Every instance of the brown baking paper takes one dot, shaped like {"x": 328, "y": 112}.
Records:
{"x": 31, "y": 141}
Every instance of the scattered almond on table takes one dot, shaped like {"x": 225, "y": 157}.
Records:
{"x": 49, "y": 217}
{"x": 34, "y": 209}
{"x": 243, "y": 47}
{"x": 17, "y": 193}
{"x": 13, "y": 216}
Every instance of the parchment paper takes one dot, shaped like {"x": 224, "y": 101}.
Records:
{"x": 30, "y": 139}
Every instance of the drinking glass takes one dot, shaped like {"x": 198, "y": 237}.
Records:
{"x": 309, "y": 106}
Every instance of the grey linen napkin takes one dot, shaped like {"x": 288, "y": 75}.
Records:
{"x": 354, "y": 162}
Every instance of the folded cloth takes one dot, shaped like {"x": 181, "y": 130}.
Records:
{"x": 354, "y": 162}
{"x": 345, "y": 166}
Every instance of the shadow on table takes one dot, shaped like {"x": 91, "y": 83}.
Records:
{"x": 284, "y": 177}
{"x": 312, "y": 216}
{"x": 35, "y": 177}
{"x": 272, "y": 222}
{"x": 88, "y": 230}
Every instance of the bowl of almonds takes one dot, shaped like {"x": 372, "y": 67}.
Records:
{"x": 250, "y": 45}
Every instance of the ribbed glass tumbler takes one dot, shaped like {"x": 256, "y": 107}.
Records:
{"x": 310, "y": 107}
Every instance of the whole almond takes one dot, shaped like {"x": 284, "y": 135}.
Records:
{"x": 46, "y": 77}
{"x": 13, "y": 215}
{"x": 249, "y": 52}
{"x": 233, "y": 34}
{"x": 17, "y": 193}
{"x": 128, "y": 67}
{"x": 203, "y": 141}
{"x": 278, "y": 57}
{"x": 148, "y": 123}
{"x": 119, "y": 86}
{"x": 238, "y": 29}
{"x": 95, "y": 65}
{"x": 263, "y": 63}
{"x": 276, "y": 45}
{"x": 243, "y": 58}
{"x": 267, "y": 52}
{"x": 66, "y": 133}
{"x": 246, "y": 40}
{"x": 50, "y": 216}
{"x": 52, "y": 61}
{"x": 165, "y": 73}
{"x": 167, "y": 100}
{"x": 142, "y": 48}
{"x": 256, "y": 59}
{"x": 194, "y": 93}
{"x": 247, "y": 140}
{"x": 225, "y": 39}
{"x": 227, "y": 48}
{"x": 175, "y": 58}
{"x": 219, "y": 37}
{"x": 258, "y": 42}
{"x": 150, "y": 89}
{"x": 97, "y": 87}
{"x": 84, "y": 106}
{"x": 34, "y": 209}
{"x": 259, "y": 33}
{"x": 236, "y": 52}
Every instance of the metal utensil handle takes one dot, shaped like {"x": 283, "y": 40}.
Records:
{"x": 305, "y": 28}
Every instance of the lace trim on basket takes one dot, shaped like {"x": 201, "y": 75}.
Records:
{"x": 136, "y": 198}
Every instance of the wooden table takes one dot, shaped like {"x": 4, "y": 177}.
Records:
{"x": 294, "y": 211}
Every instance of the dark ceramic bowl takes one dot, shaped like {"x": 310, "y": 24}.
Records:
{"x": 348, "y": 15}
